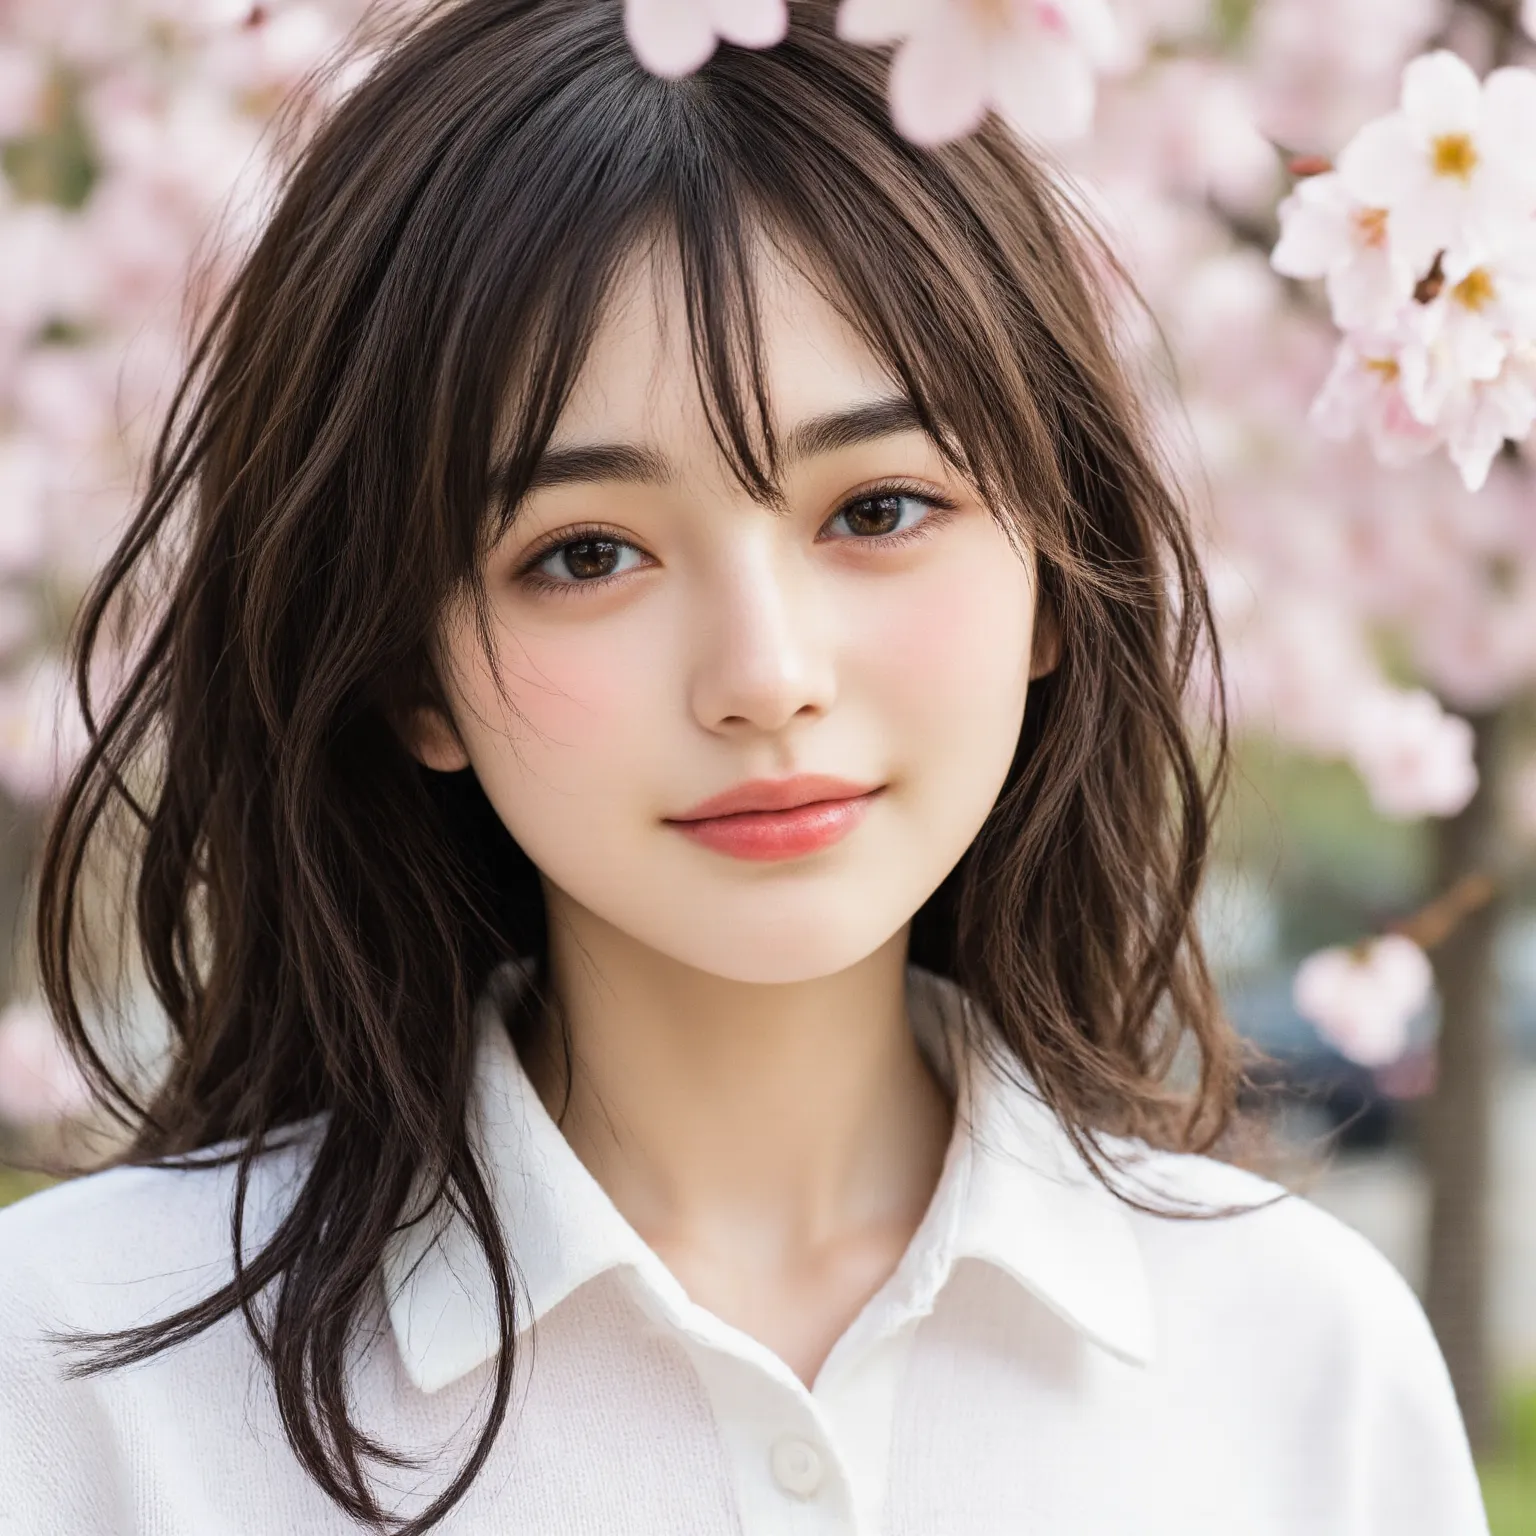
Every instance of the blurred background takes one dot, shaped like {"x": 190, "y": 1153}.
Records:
{"x": 1378, "y": 614}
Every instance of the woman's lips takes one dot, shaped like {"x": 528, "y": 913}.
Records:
{"x": 766, "y": 835}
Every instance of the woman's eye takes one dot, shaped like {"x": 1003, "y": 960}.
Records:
{"x": 879, "y": 515}
{"x": 580, "y": 562}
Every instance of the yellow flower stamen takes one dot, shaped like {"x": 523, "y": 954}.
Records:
{"x": 1454, "y": 154}
{"x": 1385, "y": 366}
{"x": 1475, "y": 291}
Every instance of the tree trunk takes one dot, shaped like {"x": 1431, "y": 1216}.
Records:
{"x": 1458, "y": 1117}
{"x": 19, "y": 827}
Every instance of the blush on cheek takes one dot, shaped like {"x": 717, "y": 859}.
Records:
{"x": 573, "y": 699}
{"x": 961, "y": 641}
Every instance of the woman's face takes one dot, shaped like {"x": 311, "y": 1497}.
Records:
{"x": 865, "y": 633}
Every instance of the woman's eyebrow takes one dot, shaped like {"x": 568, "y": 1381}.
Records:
{"x": 636, "y": 464}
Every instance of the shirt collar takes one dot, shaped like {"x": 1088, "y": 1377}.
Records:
{"x": 1013, "y": 1193}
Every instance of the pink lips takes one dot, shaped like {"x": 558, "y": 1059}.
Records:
{"x": 778, "y": 818}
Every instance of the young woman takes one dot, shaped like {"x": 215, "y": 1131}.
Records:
{"x": 670, "y": 869}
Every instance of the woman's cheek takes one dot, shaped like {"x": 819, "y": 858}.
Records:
{"x": 581, "y": 699}
{"x": 961, "y": 644}
{"x": 562, "y": 775}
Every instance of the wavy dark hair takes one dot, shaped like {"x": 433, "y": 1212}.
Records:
{"x": 316, "y": 912}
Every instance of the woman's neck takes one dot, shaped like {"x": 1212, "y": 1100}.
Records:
{"x": 767, "y": 1123}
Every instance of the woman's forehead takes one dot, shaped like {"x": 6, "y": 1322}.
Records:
{"x": 638, "y": 381}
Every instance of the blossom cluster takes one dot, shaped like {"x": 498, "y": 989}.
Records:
{"x": 138, "y": 158}
{"x": 1364, "y": 998}
{"x": 1036, "y": 62}
{"x": 1360, "y": 607}
{"x": 1425, "y": 234}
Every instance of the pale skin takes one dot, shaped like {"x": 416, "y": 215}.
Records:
{"x": 747, "y": 1088}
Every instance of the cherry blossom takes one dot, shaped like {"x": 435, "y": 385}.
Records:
{"x": 1426, "y": 237}
{"x": 1325, "y": 231}
{"x": 1415, "y": 758}
{"x": 1485, "y": 307}
{"x": 1452, "y": 165}
{"x": 1035, "y": 61}
{"x": 674, "y": 37}
{"x": 1363, "y": 999}
{"x": 1480, "y": 415}
{"x": 1364, "y": 393}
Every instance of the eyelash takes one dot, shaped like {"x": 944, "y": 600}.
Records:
{"x": 939, "y": 509}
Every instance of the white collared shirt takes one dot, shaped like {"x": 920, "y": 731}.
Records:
{"x": 1044, "y": 1361}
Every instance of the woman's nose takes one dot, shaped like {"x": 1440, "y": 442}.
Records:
{"x": 764, "y": 651}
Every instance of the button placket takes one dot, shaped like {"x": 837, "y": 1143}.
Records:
{"x": 762, "y": 1410}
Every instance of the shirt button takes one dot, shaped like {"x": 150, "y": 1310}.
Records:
{"x": 797, "y": 1466}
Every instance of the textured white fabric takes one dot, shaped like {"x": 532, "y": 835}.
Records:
{"x": 1044, "y": 1361}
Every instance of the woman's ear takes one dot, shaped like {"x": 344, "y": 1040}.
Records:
{"x": 430, "y": 737}
{"x": 1045, "y": 647}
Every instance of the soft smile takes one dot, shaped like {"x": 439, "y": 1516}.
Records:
{"x": 786, "y": 823}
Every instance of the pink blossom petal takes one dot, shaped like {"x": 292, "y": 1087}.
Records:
{"x": 671, "y": 38}
{"x": 1473, "y": 448}
{"x": 882, "y": 21}
{"x": 1476, "y": 351}
{"x": 1416, "y": 758}
{"x": 938, "y": 82}
{"x": 1042, "y": 85}
{"x": 1423, "y": 224}
{"x": 1441, "y": 94}
{"x": 1509, "y": 105}
{"x": 1363, "y": 1002}
{"x": 1093, "y": 28}
{"x": 751, "y": 23}
{"x": 1369, "y": 294}
{"x": 1314, "y": 227}
{"x": 1397, "y": 436}
{"x": 1382, "y": 164}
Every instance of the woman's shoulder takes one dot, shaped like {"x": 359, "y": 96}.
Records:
{"x": 1292, "y": 1320}
{"x": 103, "y": 1246}
{"x": 96, "y": 1255}
{"x": 1281, "y": 1258}
{"x": 1271, "y": 1223}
